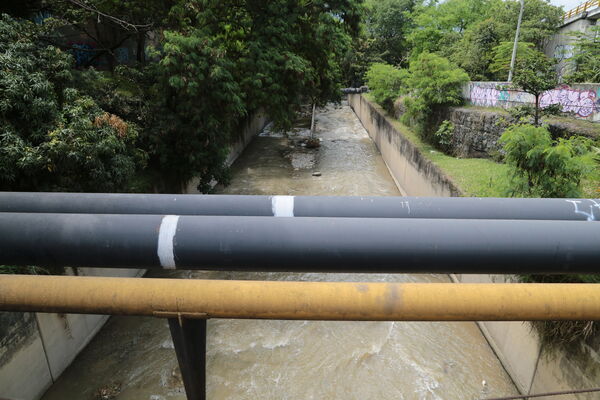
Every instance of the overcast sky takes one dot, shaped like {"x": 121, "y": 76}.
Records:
{"x": 567, "y": 4}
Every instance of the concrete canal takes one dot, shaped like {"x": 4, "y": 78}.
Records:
{"x": 133, "y": 358}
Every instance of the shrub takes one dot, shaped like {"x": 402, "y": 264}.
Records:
{"x": 386, "y": 84}
{"x": 443, "y": 136}
{"x": 433, "y": 82}
{"x": 521, "y": 114}
{"x": 542, "y": 167}
{"x": 51, "y": 136}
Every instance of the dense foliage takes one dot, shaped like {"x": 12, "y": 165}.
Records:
{"x": 535, "y": 74}
{"x": 386, "y": 84}
{"x": 586, "y": 56}
{"x": 468, "y": 32}
{"x": 433, "y": 82}
{"x": 543, "y": 167}
{"x": 202, "y": 68}
{"x": 52, "y": 137}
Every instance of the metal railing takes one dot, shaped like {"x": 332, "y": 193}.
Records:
{"x": 588, "y": 5}
{"x": 339, "y": 234}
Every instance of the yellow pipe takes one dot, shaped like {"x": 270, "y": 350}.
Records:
{"x": 300, "y": 300}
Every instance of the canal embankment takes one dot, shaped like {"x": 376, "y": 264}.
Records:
{"x": 533, "y": 367}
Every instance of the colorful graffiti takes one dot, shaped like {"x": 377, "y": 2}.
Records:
{"x": 487, "y": 94}
{"x": 581, "y": 102}
{"x": 584, "y": 103}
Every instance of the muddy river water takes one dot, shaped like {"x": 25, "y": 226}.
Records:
{"x": 133, "y": 358}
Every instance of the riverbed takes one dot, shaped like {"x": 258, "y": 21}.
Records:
{"x": 133, "y": 358}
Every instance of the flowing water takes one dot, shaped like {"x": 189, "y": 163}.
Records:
{"x": 133, "y": 358}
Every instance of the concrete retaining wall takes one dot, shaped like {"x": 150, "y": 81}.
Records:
{"x": 35, "y": 348}
{"x": 580, "y": 100}
{"x": 414, "y": 174}
{"x": 532, "y": 368}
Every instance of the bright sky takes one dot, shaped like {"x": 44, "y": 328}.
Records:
{"x": 567, "y": 4}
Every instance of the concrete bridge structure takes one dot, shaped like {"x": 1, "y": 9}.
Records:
{"x": 579, "y": 19}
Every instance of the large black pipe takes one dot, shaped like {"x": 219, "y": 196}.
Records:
{"x": 303, "y": 206}
{"x": 300, "y": 244}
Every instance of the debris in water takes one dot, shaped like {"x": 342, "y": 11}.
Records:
{"x": 316, "y": 173}
{"x": 108, "y": 392}
{"x": 313, "y": 143}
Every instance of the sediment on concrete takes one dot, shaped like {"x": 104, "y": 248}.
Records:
{"x": 414, "y": 174}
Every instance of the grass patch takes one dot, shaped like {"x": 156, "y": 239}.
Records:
{"x": 497, "y": 110}
{"x": 479, "y": 177}
{"x": 475, "y": 177}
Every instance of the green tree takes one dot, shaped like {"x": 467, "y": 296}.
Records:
{"x": 386, "y": 84}
{"x": 535, "y": 75}
{"x": 502, "y": 55}
{"x": 542, "y": 167}
{"x": 224, "y": 61}
{"x": 51, "y": 136}
{"x": 474, "y": 53}
{"x": 433, "y": 82}
{"x": 387, "y": 23}
{"x": 586, "y": 56}
{"x": 466, "y": 31}
{"x": 541, "y": 19}
{"x": 439, "y": 27}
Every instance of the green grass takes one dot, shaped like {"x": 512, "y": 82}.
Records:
{"x": 477, "y": 177}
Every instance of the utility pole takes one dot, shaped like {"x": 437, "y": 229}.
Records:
{"x": 514, "y": 52}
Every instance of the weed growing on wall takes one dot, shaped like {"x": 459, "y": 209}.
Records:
{"x": 443, "y": 136}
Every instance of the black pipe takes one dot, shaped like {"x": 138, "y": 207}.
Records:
{"x": 300, "y": 244}
{"x": 303, "y": 206}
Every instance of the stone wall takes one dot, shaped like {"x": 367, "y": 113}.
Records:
{"x": 476, "y": 131}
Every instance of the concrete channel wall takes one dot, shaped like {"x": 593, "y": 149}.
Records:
{"x": 414, "y": 174}
{"x": 35, "y": 348}
{"x": 532, "y": 368}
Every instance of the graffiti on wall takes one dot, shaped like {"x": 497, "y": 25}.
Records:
{"x": 495, "y": 94}
{"x": 487, "y": 94}
{"x": 581, "y": 102}
{"x": 83, "y": 52}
